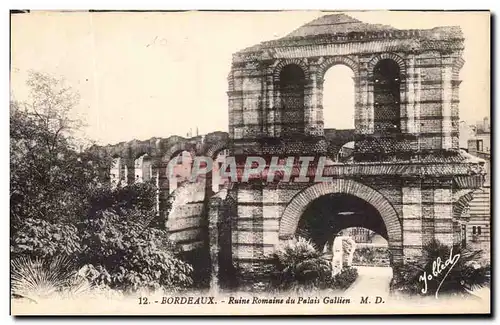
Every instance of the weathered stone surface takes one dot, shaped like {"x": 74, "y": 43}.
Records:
{"x": 405, "y": 162}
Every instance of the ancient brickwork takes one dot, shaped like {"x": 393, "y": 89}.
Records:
{"x": 183, "y": 209}
{"x": 405, "y": 166}
{"x": 411, "y": 171}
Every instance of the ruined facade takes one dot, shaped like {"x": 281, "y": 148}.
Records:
{"x": 405, "y": 177}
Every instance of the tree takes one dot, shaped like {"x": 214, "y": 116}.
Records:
{"x": 62, "y": 206}
{"x": 50, "y": 178}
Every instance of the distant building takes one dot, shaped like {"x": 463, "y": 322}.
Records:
{"x": 477, "y": 233}
{"x": 364, "y": 236}
{"x": 467, "y": 132}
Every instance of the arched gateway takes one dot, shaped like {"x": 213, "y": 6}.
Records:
{"x": 296, "y": 208}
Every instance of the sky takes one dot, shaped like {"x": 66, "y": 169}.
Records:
{"x": 143, "y": 75}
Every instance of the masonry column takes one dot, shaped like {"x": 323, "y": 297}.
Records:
{"x": 269, "y": 102}
{"x": 446, "y": 100}
{"x": 412, "y": 219}
{"x": 235, "y": 101}
{"x": 314, "y": 124}
{"x": 163, "y": 190}
{"x": 364, "y": 104}
{"x": 155, "y": 172}
{"x": 443, "y": 214}
{"x": 409, "y": 116}
{"x": 310, "y": 103}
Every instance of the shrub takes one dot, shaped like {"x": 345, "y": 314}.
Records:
{"x": 463, "y": 277}
{"x": 123, "y": 255}
{"x": 300, "y": 266}
{"x": 371, "y": 256}
{"x": 344, "y": 279}
{"x": 39, "y": 238}
{"x": 38, "y": 278}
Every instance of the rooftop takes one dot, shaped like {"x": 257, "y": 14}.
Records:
{"x": 344, "y": 28}
{"x": 336, "y": 23}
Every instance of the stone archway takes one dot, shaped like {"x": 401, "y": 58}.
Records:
{"x": 297, "y": 206}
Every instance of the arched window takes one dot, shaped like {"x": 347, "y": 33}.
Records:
{"x": 479, "y": 230}
{"x": 474, "y": 230}
{"x": 291, "y": 84}
{"x": 387, "y": 97}
{"x": 338, "y": 98}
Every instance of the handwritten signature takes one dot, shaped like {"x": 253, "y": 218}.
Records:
{"x": 439, "y": 267}
{"x": 158, "y": 40}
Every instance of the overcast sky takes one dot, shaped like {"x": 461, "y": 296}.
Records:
{"x": 141, "y": 75}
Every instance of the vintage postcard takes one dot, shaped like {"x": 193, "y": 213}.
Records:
{"x": 250, "y": 163}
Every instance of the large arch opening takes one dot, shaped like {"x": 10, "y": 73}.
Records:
{"x": 332, "y": 222}
{"x": 387, "y": 97}
{"x": 339, "y": 98}
{"x": 327, "y": 216}
{"x": 321, "y": 211}
{"x": 291, "y": 86}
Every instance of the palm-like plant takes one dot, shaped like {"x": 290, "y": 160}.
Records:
{"x": 36, "y": 279}
{"x": 300, "y": 265}
{"x": 461, "y": 277}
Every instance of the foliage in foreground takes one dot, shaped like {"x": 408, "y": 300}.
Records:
{"x": 299, "y": 266}
{"x": 123, "y": 255}
{"x": 465, "y": 273}
{"x": 62, "y": 206}
{"x": 36, "y": 278}
{"x": 38, "y": 238}
{"x": 344, "y": 279}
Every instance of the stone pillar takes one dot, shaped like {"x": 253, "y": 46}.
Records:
{"x": 235, "y": 101}
{"x": 270, "y": 103}
{"x": 446, "y": 101}
{"x": 214, "y": 216}
{"x": 310, "y": 94}
{"x": 130, "y": 167}
{"x": 155, "y": 170}
{"x": 409, "y": 114}
{"x": 412, "y": 220}
{"x": 458, "y": 63}
{"x": 370, "y": 122}
{"x": 123, "y": 172}
{"x": 115, "y": 172}
{"x": 315, "y": 123}
{"x": 443, "y": 215}
{"x": 364, "y": 102}
{"x": 417, "y": 79}
{"x": 358, "y": 98}
{"x": 163, "y": 190}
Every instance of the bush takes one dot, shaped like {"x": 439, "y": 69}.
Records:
{"x": 123, "y": 255}
{"x": 59, "y": 205}
{"x": 38, "y": 278}
{"x": 344, "y": 279}
{"x": 300, "y": 265}
{"x": 371, "y": 256}
{"x": 466, "y": 275}
{"x": 39, "y": 238}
